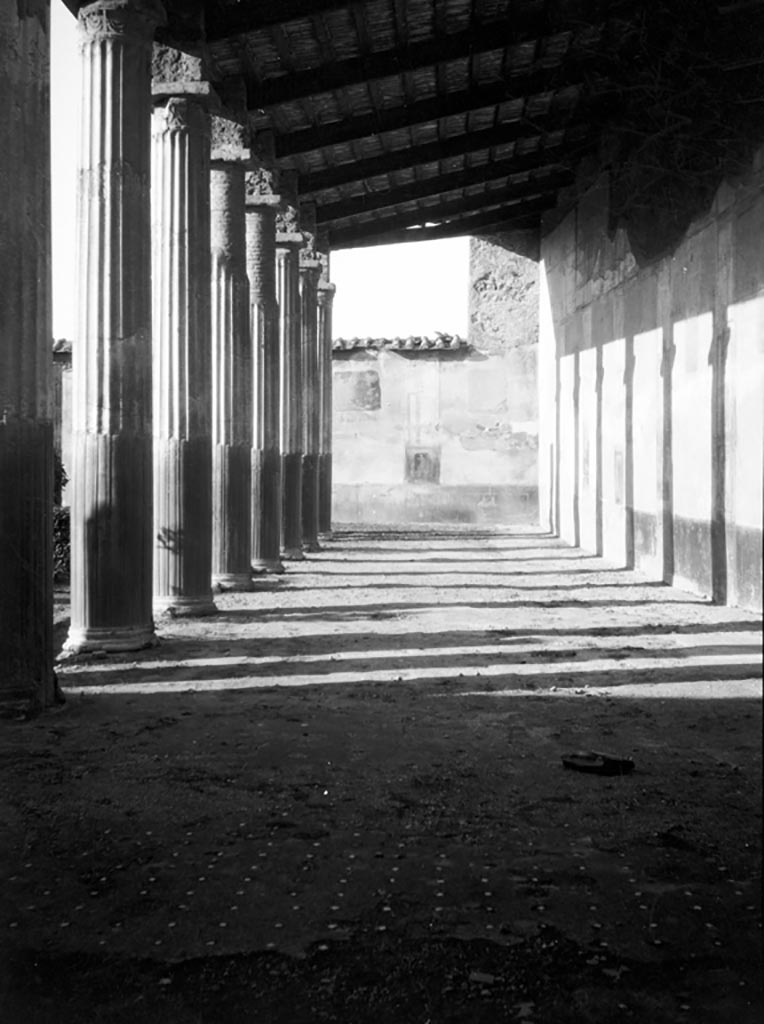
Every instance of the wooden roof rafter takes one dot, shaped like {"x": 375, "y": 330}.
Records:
{"x": 488, "y": 37}
{"x": 492, "y": 221}
{"x": 424, "y": 118}
{"x": 546, "y": 177}
{"x": 431, "y": 152}
{"x": 532, "y": 201}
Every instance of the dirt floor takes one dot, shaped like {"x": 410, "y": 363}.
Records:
{"x": 342, "y": 799}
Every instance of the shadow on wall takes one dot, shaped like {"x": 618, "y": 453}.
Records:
{"x": 652, "y": 415}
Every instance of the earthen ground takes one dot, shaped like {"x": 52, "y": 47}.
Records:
{"x": 342, "y": 799}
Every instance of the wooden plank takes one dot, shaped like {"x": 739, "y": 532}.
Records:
{"x": 405, "y": 228}
{"x": 489, "y": 223}
{"x": 431, "y": 152}
{"x": 421, "y": 111}
{"x": 262, "y": 14}
{"x": 550, "y": 177}
{"x": 496, "y": 35}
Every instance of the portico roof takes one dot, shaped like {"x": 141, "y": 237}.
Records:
{"x": 413, "y": 119}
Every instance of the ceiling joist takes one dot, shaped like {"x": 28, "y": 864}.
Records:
{"x": 552, "y": 178}
{"x": 256, "y": 15}
{"x": 407, "y": 115}
{"x": 489, "y": 222}
{"x": 298, "y": 85}
{"x": 444, "y": 211}
{"x": 432, "y": 152}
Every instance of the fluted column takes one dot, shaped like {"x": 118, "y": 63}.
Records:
{"x": 288, "y": 245}
{"x": 111, "y": 359}
{"x": 262, "y": 204}
{"x": 310, "y": 271}
{"x": 231, "y": 363}
{"x": 180, "y": 192}
{"x": 26, "y": 432}
{"x": 325, "y": 302}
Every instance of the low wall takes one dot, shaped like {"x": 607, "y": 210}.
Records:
{"x": 434, "y": 437}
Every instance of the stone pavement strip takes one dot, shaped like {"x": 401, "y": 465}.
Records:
{"x": 342, "y": 799}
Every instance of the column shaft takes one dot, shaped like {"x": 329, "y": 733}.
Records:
{"x": 287, "y": 283}
{"x": 310, "y": 270}
{"x": 266, "y": 457}
{"x": 26, "y": 432}
{"x": 111, "y": 446}
{"x": 182, "y": 363}
{"x": 231, "y": 376}
{"x": 325, "y": 302}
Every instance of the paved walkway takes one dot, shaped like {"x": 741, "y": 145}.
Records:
{"x": 342, "y": 799}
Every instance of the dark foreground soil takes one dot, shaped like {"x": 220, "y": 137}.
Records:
{"x": 342, "y": 799}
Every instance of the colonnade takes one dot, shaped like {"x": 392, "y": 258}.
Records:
{"x": 201, "y": 397}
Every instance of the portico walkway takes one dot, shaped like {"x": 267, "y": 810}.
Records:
{"x": 342, "y": 799}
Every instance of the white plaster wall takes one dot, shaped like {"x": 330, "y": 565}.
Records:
{"x": 647, "y": 440}
{"x": 691, "y": 436}
{"x": 587, "y": 456}
{"x": 475, "y": 411}
{"x": 745, "y": 385}
{"x": 567, "y": 456}
{"x": 696, "y": 459}
{"x": 547, "y": 370}
{"x": 614, "y": 451}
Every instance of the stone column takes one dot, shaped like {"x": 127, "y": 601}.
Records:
{"x": 288, "y": 245}
{"x": 262, "y": 204}
{"x": 111, "y": 444}
{"x": 180, "y": 195}
{"x": 26, "y": 431}
{"x": 325, "y": 301}
{"x": 310, "y": 271}
{"x": 231, "y": 361}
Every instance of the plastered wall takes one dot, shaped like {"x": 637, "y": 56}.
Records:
{"x": 650, "y": 392}
{"x": 433, "y": 437}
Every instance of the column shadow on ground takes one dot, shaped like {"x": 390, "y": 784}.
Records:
{"x": 476, "y": 664}
{"x": 350, "y": 612}
{"x": 584, "y": 585}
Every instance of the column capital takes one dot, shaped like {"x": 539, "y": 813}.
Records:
{"x": 177, "y": 74}
{"x": 228, "y": 140}
{"x": 289, "y": 240}
{"x": 260, "y": 185}
{"x": 288, "y": 217}
{"x": 179, "y": 113}
{"x": 137, "y": 19}
{"x": 309, "y": 264}
{"x": 262, "y": 202}
{"x": 326, "y": 292}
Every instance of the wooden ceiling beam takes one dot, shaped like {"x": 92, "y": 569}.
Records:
{"x": 496, "y": 35}
{"x": 431, "y": 152}
{"x": 551, "y": 178}
{"x": 492, "y": 222}
{"x": 261, "y": 14}
{"x": 456, "y": 209}
{"x": 518, "y": 87}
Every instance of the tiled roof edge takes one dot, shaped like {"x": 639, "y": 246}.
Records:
{"x": 414, "y": 343}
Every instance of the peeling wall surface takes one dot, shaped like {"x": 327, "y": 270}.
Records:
{"x": 445, "y": 436}
{"x": 650, "y": 387}
{"x": 433, "y": 437}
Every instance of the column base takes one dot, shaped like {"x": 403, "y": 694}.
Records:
{"x": 311, "y": 547}
{"x": 326, "y": 535}
{"x": 232, "y": 581}
{"x": 184, "y": 607}
{"x": 293, "y": 554}
{"x": 263, "y": 565}
{"x": 111, "y": 639}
